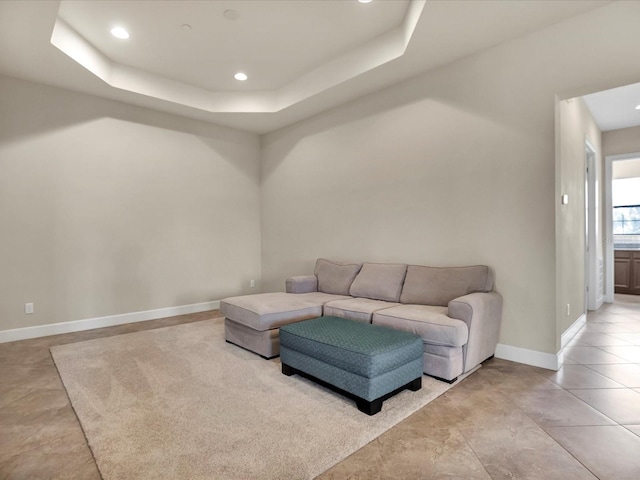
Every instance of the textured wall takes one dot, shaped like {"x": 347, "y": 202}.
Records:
{"x": 107, "y": 208}
{"x": 576, "y": 124}
{"x": 619, "y": 142}
{"x": 453, "y": 167}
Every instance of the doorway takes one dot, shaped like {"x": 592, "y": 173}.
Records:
{"x": 609, "y": 237}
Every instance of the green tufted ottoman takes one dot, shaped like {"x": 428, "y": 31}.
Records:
{"x": 368, "y": 362}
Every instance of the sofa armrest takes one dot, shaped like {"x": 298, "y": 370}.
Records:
{"x": 482, "y": 312}
{"x": 302, "y": 284}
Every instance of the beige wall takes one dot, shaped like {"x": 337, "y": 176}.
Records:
{"x": 619, "y": 142}
{"x": 576, "y": 125}
{"x": 107, "y": 208}
{"x": 626, "y": 169}
{"x": 453, "y": 167}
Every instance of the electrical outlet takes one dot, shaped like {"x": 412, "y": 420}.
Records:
{"x": 252, "y": 284}
{"x": 568, "y": 309}
{"x": 28, "y": 308}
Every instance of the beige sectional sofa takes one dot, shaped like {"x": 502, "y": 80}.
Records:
{"x": 453, "y": 309}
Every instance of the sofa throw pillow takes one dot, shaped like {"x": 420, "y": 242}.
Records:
{"x": 380, "y": 281}
{"x": 439, "y": 285}
{"x": 335, "y": 278}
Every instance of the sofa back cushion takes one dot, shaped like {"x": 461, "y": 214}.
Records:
{"x": 440, "y": 285}
{"x": 380, "y": 281}
{"x": 335, "y": 277}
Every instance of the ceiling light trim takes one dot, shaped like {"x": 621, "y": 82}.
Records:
{"x": 376, "y": 53}
{"x": 122, "y": 77}
{"x": 349, "y": 66}
{"x": 71, "y": 43}
{"x": 148, "y": 84}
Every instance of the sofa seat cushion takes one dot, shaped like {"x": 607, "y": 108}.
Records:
{"x": 431, "y": 323}
{"x": 360, "y": 309}
{"x": 320, "y": 298}
{"x": 265, "y": 311}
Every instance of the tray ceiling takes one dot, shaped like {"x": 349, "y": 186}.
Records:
{"x": 301, "y": 57}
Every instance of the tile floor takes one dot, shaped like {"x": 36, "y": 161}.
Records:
{"x": 514, "y": 421}
{"x": 505, "y": 421}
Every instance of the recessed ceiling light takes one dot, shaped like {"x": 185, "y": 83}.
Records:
{"x": 186, "y": 26}
{"x": 365, "y": 1}
{"x": 240, "y": 76}
{"x": 119, "y": 32}
{"x": 637, "y": 107}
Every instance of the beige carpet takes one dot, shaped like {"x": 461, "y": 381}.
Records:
{"x": 180, "y": 403}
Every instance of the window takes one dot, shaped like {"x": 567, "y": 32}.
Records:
{"x": 626, "y": 220}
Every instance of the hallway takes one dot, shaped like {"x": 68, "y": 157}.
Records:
{"x": 602, "y": 370}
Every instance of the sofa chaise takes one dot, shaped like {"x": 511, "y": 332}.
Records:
{"x": 453, "y": 309}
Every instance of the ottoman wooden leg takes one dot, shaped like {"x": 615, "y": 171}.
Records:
{"x": 416, "y": 384}
{"x": 287, "y": 370}
{"x": 370, "y": 408}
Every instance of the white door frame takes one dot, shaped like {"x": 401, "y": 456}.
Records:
{"x": 608, "y": 221}
{"x": 593, "y": 283}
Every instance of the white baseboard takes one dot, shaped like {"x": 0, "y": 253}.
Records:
{"x": 100, "y": 322}
{"x": 570, "y": 332}
{"x": 599, "y": 302}
{"x": 549, "y": 361}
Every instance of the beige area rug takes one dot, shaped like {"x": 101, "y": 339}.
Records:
{"x": 180, "y": 403}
